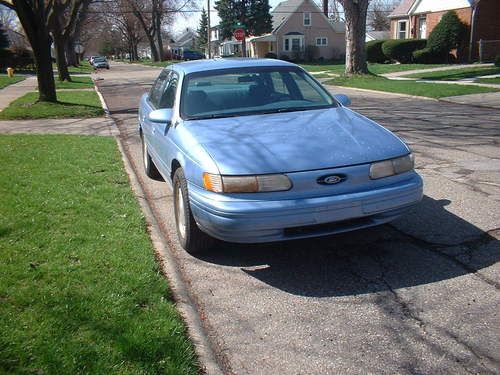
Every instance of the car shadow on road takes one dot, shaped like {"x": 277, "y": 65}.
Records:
{"x": 382, "y": 258}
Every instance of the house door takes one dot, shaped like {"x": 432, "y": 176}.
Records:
{"x": 422, "y": 28}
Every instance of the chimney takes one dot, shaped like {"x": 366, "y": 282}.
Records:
{"x": 325, "y": 7}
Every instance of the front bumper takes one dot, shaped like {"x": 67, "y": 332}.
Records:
{"x": 251, "y": 221}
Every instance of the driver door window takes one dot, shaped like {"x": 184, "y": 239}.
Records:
{"x": 167, "y": 98}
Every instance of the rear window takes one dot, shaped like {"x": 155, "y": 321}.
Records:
{"x": 232, "y": 92}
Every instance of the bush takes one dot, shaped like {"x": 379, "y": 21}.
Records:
{"x": 311, "y": 52}
{"x": 402, "y": 50}
{"x": 20, "y": 60}
{"x": 285, "y": 57}
{"x": 374, "y": 52}
{"x": 448, "y": 34}
{"x": 429, "y": 56}
{"x": 497, "y": 60}
{"x": 270, "y": 55}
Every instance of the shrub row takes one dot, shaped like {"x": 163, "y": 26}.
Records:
{"x": 16, "y": 59}
{"x": 448, "y": 34}
{"x": 400, "y": 50}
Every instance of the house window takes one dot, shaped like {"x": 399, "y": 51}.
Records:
{"x": 293, "y": 43}
{"x": 307, "y": 18}
{"x": 422, "y": 28}
{"x": 321, "y": 41}
{"x": 401, "y": 31}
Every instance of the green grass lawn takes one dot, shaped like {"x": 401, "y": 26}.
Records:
{"x": 71, "y": 104}
{"x": 431, "y": 90}
{"x": 339, "y": 67}
{"x": 6, "y": 81}
{"x": 80, "y": 291}
{"x": 495, "y": 81}
{"x": 76, "y": 83}
{"x": 456, "y": 74}
{"x": 160, "y": 64}
{"x": 149, "y": 62}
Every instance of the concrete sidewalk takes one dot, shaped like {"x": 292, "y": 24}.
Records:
{"x": 439, "y": 69}
{"x": 101, "y": 126}
{"x": 12, "y": 92}
{"x": 487, "y": 100}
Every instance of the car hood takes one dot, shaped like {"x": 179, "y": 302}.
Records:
{"x": 294, "y": 141}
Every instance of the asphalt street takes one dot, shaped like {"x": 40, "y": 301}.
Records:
{"x": 417, "y": 296}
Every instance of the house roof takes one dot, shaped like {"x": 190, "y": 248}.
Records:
{"x": 378, "y": 35}
{"x": 407, "y": 7}
{"x": 283, "y": 11}
{"x": 402, "y": 9}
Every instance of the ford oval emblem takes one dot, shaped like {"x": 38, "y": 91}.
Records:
{"x": 331, "y": 179}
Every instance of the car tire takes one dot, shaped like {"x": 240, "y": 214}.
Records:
{"x": 149, "y": 166}
{"x": 191, "y": 238}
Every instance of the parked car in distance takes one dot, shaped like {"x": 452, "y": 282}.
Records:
{"x": 256, "y": 150}
{"x": 100, "y": 62}
{"x": 192, "y": 55}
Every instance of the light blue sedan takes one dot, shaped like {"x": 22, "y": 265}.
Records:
{"x": 257, "y": 150}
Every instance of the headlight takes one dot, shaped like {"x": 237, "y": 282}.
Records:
{"x": 391, "y": 167}
{"x": 246, "y": 184}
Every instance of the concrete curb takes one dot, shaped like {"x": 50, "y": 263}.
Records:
{"x": 207, "y": 358}
{"x": 184, "y": 303}
{"x": 101, "y": 98}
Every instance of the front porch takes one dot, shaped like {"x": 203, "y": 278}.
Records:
{"x": 259, "y": 46}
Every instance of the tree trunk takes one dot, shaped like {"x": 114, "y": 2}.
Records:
{"x": 59, "y": 43}
{"x": 152, "y": 45}
{"x": 355, "y": 22}
{"x": 44, "y": 72}
{"x": 161, "y": 53}
{"x": 71, "y": 56}
{"x": 34, "y": 24}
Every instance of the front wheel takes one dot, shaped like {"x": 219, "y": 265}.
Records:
{"x": 191, "y": 238}
{"x": 149, "y": 166}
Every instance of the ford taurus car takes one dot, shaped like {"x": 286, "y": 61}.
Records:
{"x": 256, "y": 150}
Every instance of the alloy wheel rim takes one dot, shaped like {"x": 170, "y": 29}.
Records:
{"x": 181, "y": 215}
{"x": 145, "y": 152}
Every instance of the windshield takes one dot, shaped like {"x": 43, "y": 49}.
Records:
{"x": 244, "y": 91}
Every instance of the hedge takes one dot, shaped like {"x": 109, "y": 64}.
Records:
{"x": 497, "y": 60}
{"x": 402, "y": 50}
{"x": 429, "y": 56}
{"x": 374, "y": 52}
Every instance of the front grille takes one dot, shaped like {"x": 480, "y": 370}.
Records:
{"x": 331, "y": 227}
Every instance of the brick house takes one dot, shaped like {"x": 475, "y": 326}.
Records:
{"x": 415, "y": 19}
{"x": 296, "y": 25}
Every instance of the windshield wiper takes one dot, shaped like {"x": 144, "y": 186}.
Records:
{"x": 214, "y": 115}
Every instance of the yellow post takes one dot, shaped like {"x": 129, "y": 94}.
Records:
{"x": 10, "y": 72}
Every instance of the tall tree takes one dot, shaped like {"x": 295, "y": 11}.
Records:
{"x": 378, "y": 14}
{"x": 355, "y": 24}
{"x": 253, "y": 14}
{"x": 202, "y": 32}
{"x": 145, "y": 12}
{"x": 33, "y": 15}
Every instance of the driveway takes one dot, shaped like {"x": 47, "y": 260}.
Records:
{"x": 418, "y": 296}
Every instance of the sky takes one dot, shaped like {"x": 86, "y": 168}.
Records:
{"x": 193, "y": 19}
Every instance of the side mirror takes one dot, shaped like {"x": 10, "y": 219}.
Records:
{"x": 343, "y": 99}
{"x": 161, "y": 116}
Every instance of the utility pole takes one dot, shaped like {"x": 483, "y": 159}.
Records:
{"x": 208, "y": 30}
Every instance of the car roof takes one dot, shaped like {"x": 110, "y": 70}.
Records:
{"x": 225, "y": 63}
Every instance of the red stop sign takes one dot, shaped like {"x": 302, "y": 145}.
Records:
{"x": 239, "y": 34}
